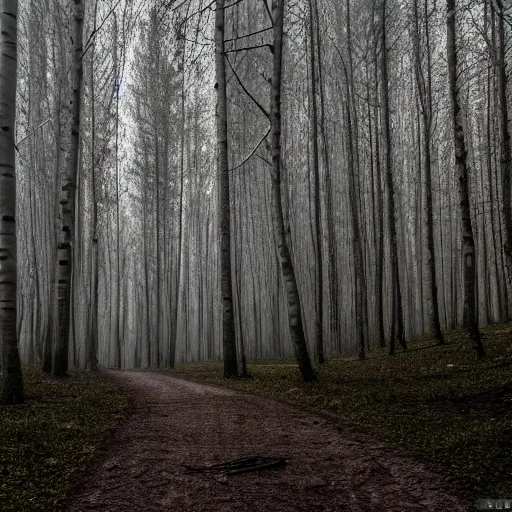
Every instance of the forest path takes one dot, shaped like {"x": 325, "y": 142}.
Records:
{"x": 175, "y": 424}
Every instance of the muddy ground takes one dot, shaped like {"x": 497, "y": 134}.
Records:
{"x": 176, "y": 428}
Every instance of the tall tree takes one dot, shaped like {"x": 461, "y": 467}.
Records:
{"x": 67, "y": 202}
{"x": 462, "y": 170}
{"x": 329, "y": 208}
{"x": 379, "y": 221}
{"x": 11, "y": 375}
{"x": 228, "y": 322}
{"x": 182, "y": 49}
{"x": 506, "y": 150}
{"x": 388, "y": 148}
{"x": 319, "y": 339}
{"x": 354, "y": 196}
{"x": 424, "y": 86}
{"x": 295, "y": 320}
{"x": 117, "y": 86}
{"x": 92, "y": 347}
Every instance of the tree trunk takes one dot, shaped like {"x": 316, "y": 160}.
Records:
{"x": 228, "y": 322}
{"x": 117, "y": 85}
{"x": 319, "y": 340}
{"x": 68, "y": 195}
{"x": 353, "y": 170}
{"x": 424, "y": 84}
{"x": 11, "y": 375}
{"x": 92, "y": 355}
{"x": 331, "y": 241}
{"x": 506, "y": 156}
{"x": 498, "y": 253}
{"x": 461, "y": 166}
{"x": 290, "y": 282}
{"x": 379, "y": 277}
{"x": 92, "y": 341}
{"x": 397, "y": 295}
{"x": 174, "y": 327}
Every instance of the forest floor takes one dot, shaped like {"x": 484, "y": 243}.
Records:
{"x": 47, "y": 443}
{"x": 438, "y": 402}
{"x": 161, "y": 458}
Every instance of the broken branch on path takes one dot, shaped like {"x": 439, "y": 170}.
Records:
{"x": 239, "y": 466}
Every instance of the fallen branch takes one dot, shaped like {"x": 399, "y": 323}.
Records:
{"x": 239, "y": 466}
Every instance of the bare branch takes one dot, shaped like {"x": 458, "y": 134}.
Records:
{"x": 247, "y": 48}
{"x": 248, "y": 35}
{"x": 34, "y": 131}
{"x": 251, "y": 154}
{"x": 256, "y": 102}
{"x": 90, "y": 41}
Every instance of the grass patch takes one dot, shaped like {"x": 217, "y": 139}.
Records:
{"x": 438, "y": 401}
{"x": 46, "y": 444}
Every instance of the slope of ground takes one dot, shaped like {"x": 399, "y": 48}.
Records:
{"x": 158, "y": 459}
{"x": 46, "y": 444}
{"x": 439, "y": 402}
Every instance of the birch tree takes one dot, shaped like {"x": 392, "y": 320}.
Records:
{"x": 290, "y": 282}
{"x": 67, "y": 202}
{"x": 11, "y": 375}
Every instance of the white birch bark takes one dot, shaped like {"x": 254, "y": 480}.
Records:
{"x": 11, "y": 377}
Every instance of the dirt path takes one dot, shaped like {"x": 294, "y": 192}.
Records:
{"x": 176, "y": 423}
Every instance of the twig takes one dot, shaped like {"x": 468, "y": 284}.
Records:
{"x": 265, "y": 160}
{"x": 89, "y": 41}
{"x": 34, "y": 131}
{"x": 248, "y": 35}
{"x": 270, "y": 46}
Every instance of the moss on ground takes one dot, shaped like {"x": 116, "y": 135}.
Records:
{"x": 438, "y": 401}
{"x": 46, "y": 444}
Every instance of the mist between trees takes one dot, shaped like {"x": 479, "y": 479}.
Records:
{"x": 255, "y": 179}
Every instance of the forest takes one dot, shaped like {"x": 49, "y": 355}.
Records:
{"x": 234, "y": 183}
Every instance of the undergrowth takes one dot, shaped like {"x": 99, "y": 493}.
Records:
{"x": 46, "y": 444}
